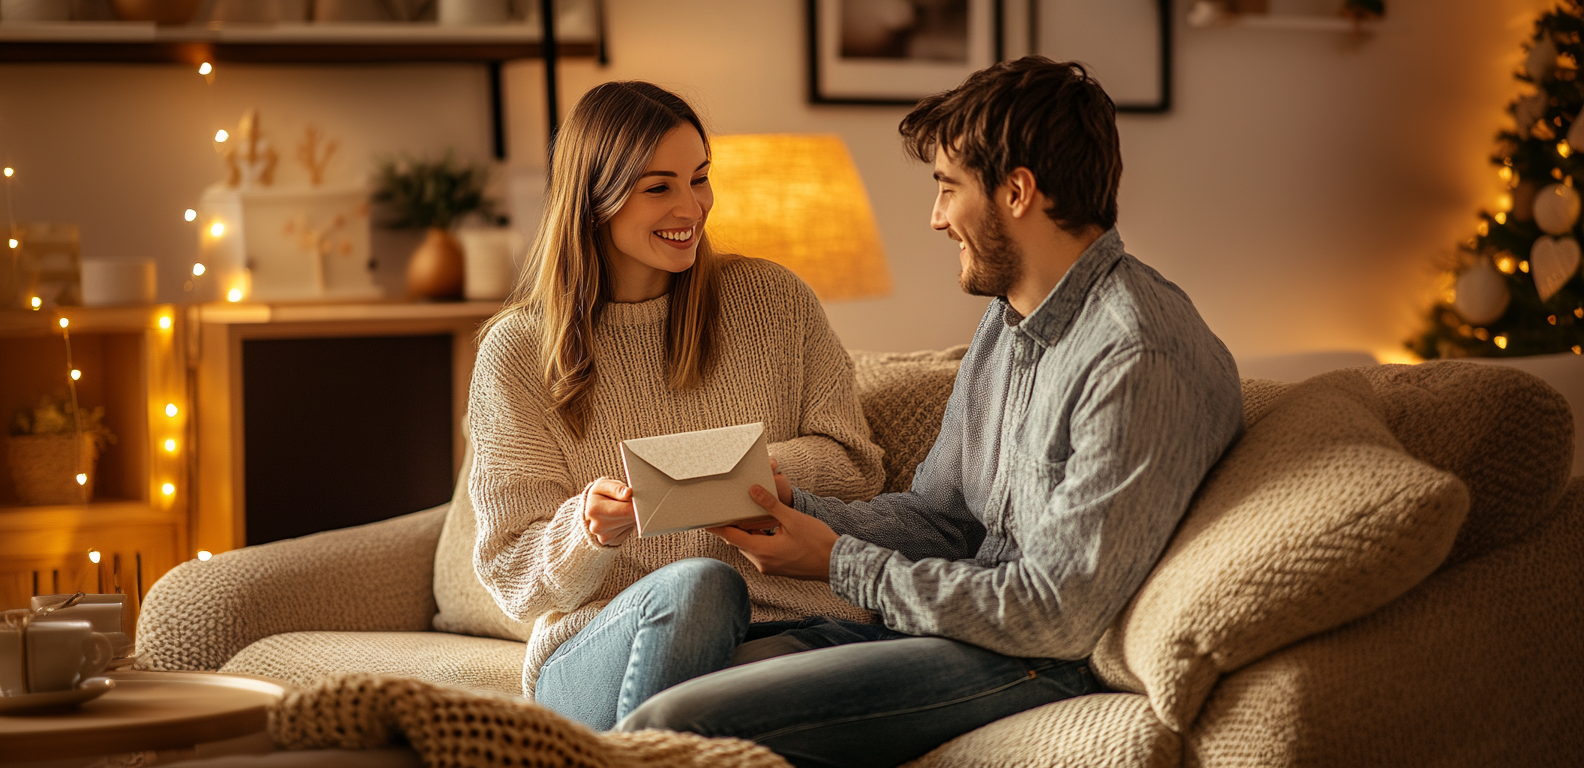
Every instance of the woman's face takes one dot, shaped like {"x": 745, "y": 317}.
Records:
{"x": 656, "y": 232}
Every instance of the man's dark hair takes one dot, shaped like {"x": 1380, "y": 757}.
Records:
{"x": 1052, "y": 118}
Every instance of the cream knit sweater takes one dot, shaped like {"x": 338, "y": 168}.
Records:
{"x": 778, "y": 363}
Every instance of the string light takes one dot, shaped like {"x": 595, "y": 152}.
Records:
{"x": 234, "y": 295}
{"x": 1501, "y": 342}
{"x": 82, "y": 479}
{"x": 1578, "y": 350}
{"x": 205, "y": 68}
{"x": 1501, "y": 218}
{"x": 198, "y": 269}
{"x": 1505, "y": 173}
{"x": 171, "y": 410}
{"x": 1483, "y": 229}
{"x": 37, "y": 302}
{"x": 76, "y": 374}
{"x": 14, "y": 242}
{"x": 1579, "y": 313}
{"x": 1563, "y": 149}
{"x": 1504, "y": 202}
{"x": 169, "y": 489}
{"x": 217, "y": 229}
{"x": 170, "y": 445}
{"x": 64, "y": 322}
{"x": 9, "y": 172}
{"x": 1507, "y": 264}
{"x": 204, "y": 555}
{"x": 1551, "y": 319}
{"x": 1523, "y": 266}
{"x": 190, "y": 214}
{"x": 165, "y": 322}
{"x": 93, "y": 556}
{"x": 221, "y": 136}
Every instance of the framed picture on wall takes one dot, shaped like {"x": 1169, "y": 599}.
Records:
{"x": 1126, "y": 43}
{"x": 897, "y": 51}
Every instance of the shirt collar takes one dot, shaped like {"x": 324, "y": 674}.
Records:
{"x": 1050, "y": 320}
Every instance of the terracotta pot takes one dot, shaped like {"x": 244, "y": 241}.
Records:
{"x": 45, "y": 467}
{"x": 435, "y": 271}
{"x": 157, "y": 11}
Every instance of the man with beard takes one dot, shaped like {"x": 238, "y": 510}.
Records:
{"x": 1089, "y": 407}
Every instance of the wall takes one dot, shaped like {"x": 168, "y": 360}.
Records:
{"x": 1301, "y": 189}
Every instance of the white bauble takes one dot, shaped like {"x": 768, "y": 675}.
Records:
{"x": 1552, "y": 261}
{"x": 1481, "y": 293}
{"x": 1542, "y": 61}
{"x": 1556, "y": 209}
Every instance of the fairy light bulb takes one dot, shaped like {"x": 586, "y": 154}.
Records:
{"x": 1501, "y": 218}
{"x": 36, "y": 302}
{"x": 204, "y": 555}
{"x": 9, "y": 172}
{"x": 1501, "y": 342}
{"x": 171, "y": 410}
{"x": 76, "y": 374}
{"x": 234, "y": 295}
{"x": 64, "y": 322}
{"x": 1505, "y": 202}
{"x": 190, "y": 214}
{"x": 93, "y": 554}
{"x": 14, "y": 242}
{"x": 198, "y": 269}
{"x": 205, "y": 68}
{"x": 82, "y": 479}
{"x": 165, "y": 322}
{"x": 169, "y": 489}
{"x": 170, "y": 445}
{"x": 221, "y": 136}
{"x": 217, "y": 229}
{"x": 1563, "y": 149}
{"x": 1505, "y": 173}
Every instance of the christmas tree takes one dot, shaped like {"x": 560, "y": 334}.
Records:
{"x": 1516, "y": 288}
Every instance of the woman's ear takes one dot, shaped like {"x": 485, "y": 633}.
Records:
{"x": 1019, "y": 192}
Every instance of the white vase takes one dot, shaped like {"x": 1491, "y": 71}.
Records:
{"x": 490, "y": 257}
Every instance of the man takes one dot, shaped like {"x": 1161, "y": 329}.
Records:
{"x": 1090, "y": 405}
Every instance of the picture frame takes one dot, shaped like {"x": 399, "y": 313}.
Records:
{"x": 1126, "y": 43}
{"x": 895, "y": 52}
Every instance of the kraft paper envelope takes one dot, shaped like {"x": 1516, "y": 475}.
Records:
{"x": 696, "y": 479}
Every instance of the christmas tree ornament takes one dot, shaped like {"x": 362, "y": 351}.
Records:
{"x": 1552, "y": 261}
{"x": 1542, "y": 61}
{"x": 1556, "y": 209}
{"x": 1575, "y": 134}
{"x": 1482, "y": 294}
{"x": 1527, "y": 111}
{"x": 1523, "y": 200}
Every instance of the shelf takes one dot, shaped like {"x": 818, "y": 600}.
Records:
{"x": 231, "y": 314}
{"x": 120, "y": 512}
{"x": 130, "y": 319}
{"x": 141, "y": 42}
{"x": 1285, "y": 22}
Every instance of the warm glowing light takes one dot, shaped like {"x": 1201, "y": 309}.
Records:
{"x": 93, "y": 554}
{"x": 1501, "y": 218}
{"x": 14, "y": 242}
{"x": 217, "y": 229}
{"x": 64, "y": 322}
{"x": 1563, "y": 149}
{"x": 234, "y": 295}
{"x": 221, "y": 135}
{"x": 1504, "y": 203}
{"x": 169, "y": 489}
{"x": 1483, "y": 228}
{"x": 164, "y": 322}
{"x": 82, "y": 479}
{"x": 1551, "y": 319}
{"x": 171, "y": 410}
{"x": 1579, "y": 313}
{"x": 204, "y": 555}
{"x": 1507, "y": 264}
{"x": 190, "y": 214}
{"x": 1578, "y": 350}
{"x": 1505, "y": 173}
{"x": 1523, "y": 266}
{"x": 9, "y": 171}
{"x": 170, "y": 445}
{"x": 198, "y": 269}
{"x": 76, "y": 374}
{"x": 1501, "y": 342}
{"x": 36, "y": 302}
{"x": 205, "y": 68}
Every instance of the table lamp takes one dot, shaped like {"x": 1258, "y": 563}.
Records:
{"x": 797, "y": 200}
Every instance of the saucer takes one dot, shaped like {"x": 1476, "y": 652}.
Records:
{"x": 92, "y": 688}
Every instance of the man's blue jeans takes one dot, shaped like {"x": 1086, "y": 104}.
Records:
{"x": 878, "y": 703}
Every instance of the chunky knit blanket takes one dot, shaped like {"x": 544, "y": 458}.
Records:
{"x": 452, "y": 727}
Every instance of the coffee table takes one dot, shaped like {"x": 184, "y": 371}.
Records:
{"x": 146, "y": 711}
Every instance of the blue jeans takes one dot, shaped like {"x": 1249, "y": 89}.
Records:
{"x": 878, "y": 703}
{"x": 679, "y": 622}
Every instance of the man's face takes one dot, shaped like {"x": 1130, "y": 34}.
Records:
{"x": 991, "y": 263}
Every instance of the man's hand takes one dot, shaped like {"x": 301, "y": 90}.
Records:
{"x": 766, "y": 524}
{"x": 799, "y": 548}
{"x": 609, "y": 512}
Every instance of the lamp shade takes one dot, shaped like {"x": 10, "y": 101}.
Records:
{"x": 797, "y": 200}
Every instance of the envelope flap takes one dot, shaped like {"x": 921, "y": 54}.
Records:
{"x": 688, "y": 455}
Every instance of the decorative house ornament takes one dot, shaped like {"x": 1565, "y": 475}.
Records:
{"x": 1553, "y": 261}
{"x": 1556, "y": 209}
{"x": 1482, "y": 294}
{"x": 268, "y": 242}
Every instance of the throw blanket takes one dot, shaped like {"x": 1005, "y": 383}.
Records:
{"x": 456, "y": 727}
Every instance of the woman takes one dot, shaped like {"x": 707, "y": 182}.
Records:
{"x": 630, "y": 325}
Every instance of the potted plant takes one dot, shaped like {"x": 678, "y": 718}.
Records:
{"x": 432, "y": 194}
{"x": 51, "y": 444}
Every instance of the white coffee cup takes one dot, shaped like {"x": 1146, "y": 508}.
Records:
{"x": 51, "y": 656}
{"x": 104, "y": 612}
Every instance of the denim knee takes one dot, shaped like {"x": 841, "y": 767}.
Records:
{"x": 701, "y": 584}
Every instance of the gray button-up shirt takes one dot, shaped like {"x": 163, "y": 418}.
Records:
{"x": 1071, "y": 445}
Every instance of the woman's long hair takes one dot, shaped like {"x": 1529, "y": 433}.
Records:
{"x": 597, "y": 159}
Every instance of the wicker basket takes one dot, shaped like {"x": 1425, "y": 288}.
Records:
{"x": 45, "y": 468}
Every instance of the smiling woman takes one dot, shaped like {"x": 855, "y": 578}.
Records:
{"x": 628, "y": 324}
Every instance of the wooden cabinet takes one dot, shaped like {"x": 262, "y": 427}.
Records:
{"x": 135, "y": 528}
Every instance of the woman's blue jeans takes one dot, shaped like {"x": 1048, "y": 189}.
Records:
{"x": 679, "y": 622}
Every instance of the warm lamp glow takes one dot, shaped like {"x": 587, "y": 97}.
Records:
{"x": 36, "y": 302}
{"x": 217, "y": 229}
{"x": 797, "y": 200}
{"x": 234, "y": 295}
{"x": 9, "y": 172}
{"x": 170, "y": 445}
{"x": 189, "y": 214}
{"x": 169, "y": 489}
{"x": 164, "y": 322}
{"x": 171, "y": 410}
{"x": 205, "y": 68}
{"x": 76, "y": 374}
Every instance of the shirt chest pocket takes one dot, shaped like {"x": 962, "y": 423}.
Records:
{"x": 1031, "y": 480}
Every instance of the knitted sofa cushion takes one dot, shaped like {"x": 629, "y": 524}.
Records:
{"x": 1107, "y": 730}
{"x": 904, "y": 397}
{"x": 465, "y": 606}
{"x": 306, "y": 658}
{"x": 1505, "y": 433}
{"x": 1316, "y": 517}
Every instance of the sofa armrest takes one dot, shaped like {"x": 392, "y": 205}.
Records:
{"x": 369, "y": 578}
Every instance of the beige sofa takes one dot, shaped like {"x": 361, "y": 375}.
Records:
{"x": 1386, "y": 570}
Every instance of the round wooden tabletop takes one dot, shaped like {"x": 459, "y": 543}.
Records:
{"x": 145, "y": 711}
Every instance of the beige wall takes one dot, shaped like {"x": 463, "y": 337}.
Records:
{"x": 1300, "y": 190}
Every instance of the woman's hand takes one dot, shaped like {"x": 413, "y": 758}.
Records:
{"x": 608, "y": 514}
